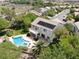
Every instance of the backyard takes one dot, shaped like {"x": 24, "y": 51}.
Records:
{"x": 9, "y": 51}
{"x": 11, "y": 28}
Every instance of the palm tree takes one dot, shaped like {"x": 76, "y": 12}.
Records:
{"x": 61, "y": 31}
{"x": 37, "y": 49}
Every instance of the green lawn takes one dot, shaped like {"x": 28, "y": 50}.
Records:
{"x": 9, "y": 51}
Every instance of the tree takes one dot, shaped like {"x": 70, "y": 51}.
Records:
{"x": 37, "y": 50}
{"x": 50, "y": 13}
{"x": 27, "y": 19}
{"x": 38, "y": 3}
{"x": 61, "y": 31}
{"x": 70, "y": 45}
{"x": 76, "y": 18}
{"x": 9, "y": 33}
{"x": 18, "y": 22}
{"x": 3, "y": 24}
{"x": 71, "y": 10}
{"x": 58, "y": 10}
{"x": 9, "y": 13}
{"x": 70, "y": 16}
{"x": 52, "y": 52}
{"x": 68, "y": 48}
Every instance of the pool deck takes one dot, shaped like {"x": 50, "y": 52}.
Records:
{"x": 25, "y": 38}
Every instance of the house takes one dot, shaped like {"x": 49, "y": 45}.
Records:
{"x": 40, "y": 11}
{"x": 59, "y": 21}
{"x": 76, "y": 24}
{"x": 60, "y": 17}
{"x": 43, "y": 29}
{"x": 36, "y": 13}
{"x": 76, "y": 11}
{"x": 43, "y": 10}
{"x": 75, "y": 27}
{"x": 4, "y": 2}
{"x": 45, "y": 1}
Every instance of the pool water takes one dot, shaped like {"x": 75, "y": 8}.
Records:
{"x": 19, "y": 41}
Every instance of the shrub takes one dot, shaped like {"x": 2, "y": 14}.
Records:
{"x": 77, "y": 18}
{"x": 50, "y": 13}
{"x": 9, "y": 33}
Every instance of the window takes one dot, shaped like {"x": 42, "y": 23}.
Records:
{"x": 32, "y": 26}
{"x": 43, "y": 36}
{"x": 38, "y": 35}
{"x": 36, "y": 27}
{"x": 48, "y": 38}
{"x": 44, "y": 30}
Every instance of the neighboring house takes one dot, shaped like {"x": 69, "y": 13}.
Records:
{"x": 76, "y": 11}
{"x": 46, "y": 1}
{"x": 43, "y": 29}
{"x": 40, "y": 11}
{"x": 4, "y": 2}
{"x": 61, "y": 6}
{"x": 59, "y": 21}
{"x": 60, "y": 17}
{"x": 36, "y": 13}
{"x": 76, "y": 26}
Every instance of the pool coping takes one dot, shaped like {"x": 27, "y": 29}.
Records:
{"x": 25, "y": 38}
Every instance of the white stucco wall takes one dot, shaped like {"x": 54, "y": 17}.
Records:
{"x": 47, "y": 33}
{"x": 41, "y": 31}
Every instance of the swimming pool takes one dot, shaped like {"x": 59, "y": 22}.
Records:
{"x": 19, "y": 41}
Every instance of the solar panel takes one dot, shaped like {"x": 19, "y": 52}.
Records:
{"x": 46, "y": 24}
